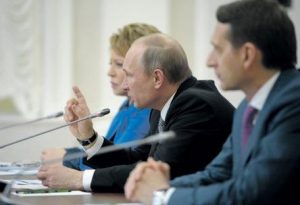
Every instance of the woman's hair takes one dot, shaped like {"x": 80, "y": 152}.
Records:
{"x": 121, "y": 41}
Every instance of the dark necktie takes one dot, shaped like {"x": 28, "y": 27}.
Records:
{"x": 161, "y": 125}
{"x": 247, "y": 125}
{"x": 160, "y": 128}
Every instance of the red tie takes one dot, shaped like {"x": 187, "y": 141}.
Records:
{"x": 247, "y": 125}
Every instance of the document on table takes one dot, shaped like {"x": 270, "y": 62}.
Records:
{"x": 55, "y": 193}
{"x": 35, "y": 188}
{"x": 118, "y": 204}
{"x": 17, "y": 171}
{"x": 13, "y": 168}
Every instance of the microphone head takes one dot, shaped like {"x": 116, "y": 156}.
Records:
{"x": 2, "y": 185}
{"x": 55, "y": 115}
{"x": 103, "y": 112}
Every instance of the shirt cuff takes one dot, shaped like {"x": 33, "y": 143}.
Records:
{"x": 87, "y": 179}
{"x": 168, "y": 195}
{"x": 95, "y": 148}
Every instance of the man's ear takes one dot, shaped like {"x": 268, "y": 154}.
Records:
{"x": 158, "y": 77}
{"x": 249, "y": 55}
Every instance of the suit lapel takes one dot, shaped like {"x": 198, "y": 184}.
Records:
{"x": 265, "y": 116}
{"x": 190, "y": 82}
{"x": 236, "y": 132}
{"x": 154, "y": 118}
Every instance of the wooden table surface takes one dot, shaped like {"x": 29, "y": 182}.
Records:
{"x": 92, "y": 199}
{"x": 96, "y": 198}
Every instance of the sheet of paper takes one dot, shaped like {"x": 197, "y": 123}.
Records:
{"x": 13, "y": 168}
{"x": 36, "y": 188}
{"x": 68, "y": 193}
{"x": 15, "y": 172}
{"x": 118, "y": 204}
{"x": 33, "y": 184}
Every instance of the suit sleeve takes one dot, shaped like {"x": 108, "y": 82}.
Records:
{"x": 271, "y": 177}
{"x": 125, "y": 156}
{"x": 111, "y": 179}
{"x": 219, "y": 170}
{"x": 112, "y": 169}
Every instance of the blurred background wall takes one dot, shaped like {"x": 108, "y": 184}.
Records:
{"x": 46, "y": 46}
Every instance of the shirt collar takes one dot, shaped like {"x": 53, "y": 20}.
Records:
{"x": 261, "y": 95}
{"x": 165, "y": 109}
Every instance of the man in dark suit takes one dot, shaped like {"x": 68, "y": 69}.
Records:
{"x": 254, "y": 50}
{"x": 158, "y": 77}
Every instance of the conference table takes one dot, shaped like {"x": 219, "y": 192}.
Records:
{"x": 87, "y": 199}
{"x": 93, "y": 199}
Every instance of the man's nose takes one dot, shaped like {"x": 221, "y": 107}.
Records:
{"x": 211, "y": 62}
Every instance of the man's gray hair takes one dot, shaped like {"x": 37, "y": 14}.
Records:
{"x": 165, "y": 53}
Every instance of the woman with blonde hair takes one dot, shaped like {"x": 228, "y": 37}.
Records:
{"x": 129, "y": 123}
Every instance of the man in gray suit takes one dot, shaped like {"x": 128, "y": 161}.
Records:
{"x": 254, "y": 50}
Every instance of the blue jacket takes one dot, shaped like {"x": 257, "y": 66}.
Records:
{"x": 129, "y": 124}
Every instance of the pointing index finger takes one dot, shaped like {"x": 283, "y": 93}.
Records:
{"x": 78, "y": 94}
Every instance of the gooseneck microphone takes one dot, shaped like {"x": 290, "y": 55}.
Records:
{"x": 54, "y": 115}
{"x": 160, "y": 137}
{"x": 99, "y": 114}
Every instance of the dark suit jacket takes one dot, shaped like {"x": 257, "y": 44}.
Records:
{"x": 201, "y": 119}
{"x": 269, "y": 172}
